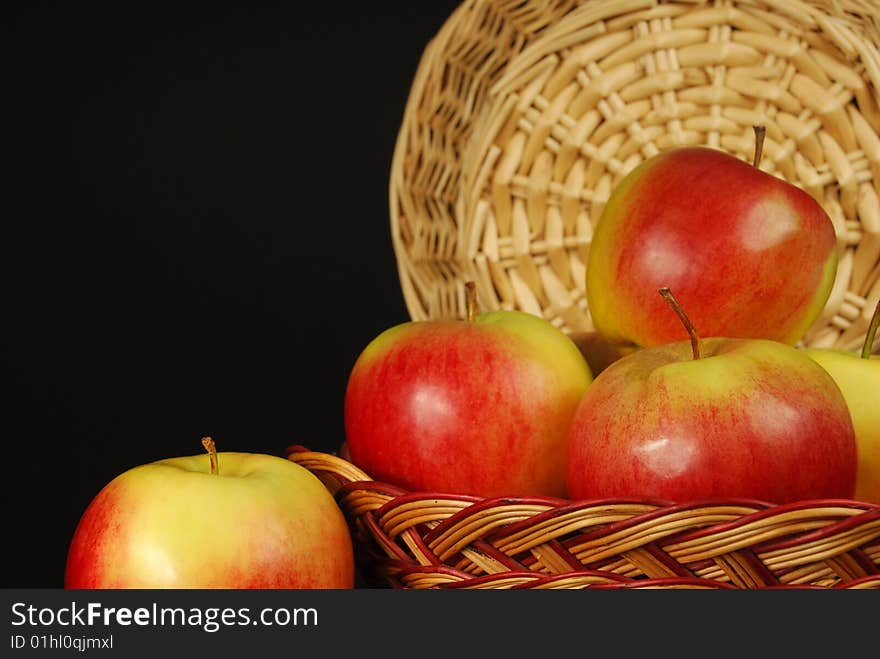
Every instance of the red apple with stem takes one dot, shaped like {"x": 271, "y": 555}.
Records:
{"x": 477, "y": 406}
{"x": 216, "y": 520}
{"x": 858, "y": 376}
{"x": 713, "y": 418}
{"x": 750, "y": 254}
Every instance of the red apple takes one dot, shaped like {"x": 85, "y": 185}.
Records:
{"x": 217, "y": 520}
{"x": 749, "y": 254}
{"x": 478, "y": 406}
{"x": 717, "y": 418}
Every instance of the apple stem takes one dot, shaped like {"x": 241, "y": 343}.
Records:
{"x": 471, "y": 308}
{"x": 208, "y": 443}
{"x": 759, "y": 144}
{"x": 872, "y": 332}
{"x": 688, "y": 325}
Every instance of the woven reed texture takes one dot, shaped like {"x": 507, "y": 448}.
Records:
{"x": 431, "y": 540}
{"x": 524, "y": 115}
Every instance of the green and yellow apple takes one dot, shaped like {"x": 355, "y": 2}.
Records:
{"x": 718, "y": 418}
{"x": 217, "y": 520}
{"x": 749, "y": 254}
{"x": 477, "y": 406}
{"x": 858, "y": 376}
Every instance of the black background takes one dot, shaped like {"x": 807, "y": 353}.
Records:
{"x": 196, "y": 236}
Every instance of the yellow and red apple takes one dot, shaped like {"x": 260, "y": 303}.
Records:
{"x": 858, "y": 376}
{"x": 477, "y": 406}
{"x": 747, "y": 253}
{"x": 717, "y": 418}
{"x": 224, "y": 520}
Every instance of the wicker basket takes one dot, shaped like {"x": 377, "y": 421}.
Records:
{"x": 431, "y": 540}
{"x": 524, "y": 114}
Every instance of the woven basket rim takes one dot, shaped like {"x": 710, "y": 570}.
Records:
{"x": 300, "y": 453}
{"x": 842, "y": 520}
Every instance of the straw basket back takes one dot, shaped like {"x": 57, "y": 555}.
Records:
{"x": 524, "y": 115}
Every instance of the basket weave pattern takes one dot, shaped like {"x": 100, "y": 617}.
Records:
{"x": 430, "y": 540}
{"x": 524, "y": 115}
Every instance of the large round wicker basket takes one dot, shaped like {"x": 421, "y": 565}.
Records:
{"x": 523, "y": 116}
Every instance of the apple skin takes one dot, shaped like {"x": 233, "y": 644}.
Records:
{"x": 748, "y": 254}
{"x": 261, "y": 522}
{"x": 598, "y": 351}
{"x": 476, "y": 407}
{"x": 751, "y": 419}
{"x": 859, "y": 380}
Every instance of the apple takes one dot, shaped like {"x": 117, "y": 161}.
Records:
{"x": 858, "y": 376}
{"x": 598, "y": 351}
{"x": 476, "y": 406}
{"x": 714, "y": 418}
{"x": 749, "y": 254}
{"x": 221, "y": 520}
